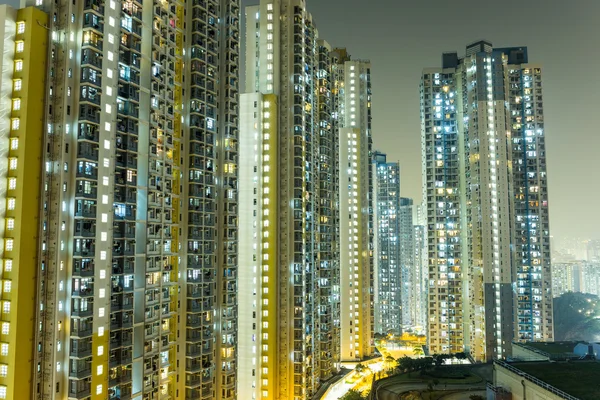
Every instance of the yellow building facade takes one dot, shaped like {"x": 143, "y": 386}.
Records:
{"x": 23, "y": 165}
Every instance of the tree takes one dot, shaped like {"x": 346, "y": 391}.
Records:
{"x": 360, "y": 368}
{"x": 389, "y": 363}
{"x": 576, "y": 317}
{"x": 405, "y": 364}
{"x": 439, "y": 359}
{"x": 418, "y": 350}
{"x": 353, "y": 395}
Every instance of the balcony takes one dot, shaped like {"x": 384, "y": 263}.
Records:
{"x": 84, "y": 291}
{"x": 81, "y": 352}
{"x": 81, "y": 333}
{"x": 82, "y": 312}
{"x": 80, "y": 391}
{"x": 80, "y": 373}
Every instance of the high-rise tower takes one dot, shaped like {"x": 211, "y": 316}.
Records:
{"x": 439, "y": 140}
{"x": 22, "y": 91}
{"x": 136, "y": 261}
{"x": 386, "y": 266}
{"x": 486, "y": 192}
{"x": 421, "y": 270}
{"x": 353, "y": 114}
{"x": 289, "y": 250}
{"x": 407, "y": 261}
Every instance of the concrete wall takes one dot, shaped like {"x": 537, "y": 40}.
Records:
{"x": 521, "y": 388}
{"x": 525, "y": 354}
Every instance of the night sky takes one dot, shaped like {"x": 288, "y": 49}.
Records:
{"x": 401, "y": 37}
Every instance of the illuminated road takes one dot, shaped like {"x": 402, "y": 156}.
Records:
{"x": 340, "y": 388}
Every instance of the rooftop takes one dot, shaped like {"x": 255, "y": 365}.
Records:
{"x": 553, "y": 347}
{"x": 579, "y": 378}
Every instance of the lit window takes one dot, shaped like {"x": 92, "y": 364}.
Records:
{"x": 6, "y": 307}
{"x": 16, "y": 104}
{"x": 9, "y": 244}
{"x": 20, "y": 27}
{"x": 14, "y": 143}
{"x": 16, "y": 122}
{"x": 100, "y": 350}
{"x": 4, "y": 349}
{"x": 5, "y": 328}
{"x": 10, "y": 224}
{"x": 20, "y": 47}
{"x": 99, "y": 389}
{"x": 12, "y": 164}
{"x": 7, "y": 287}
{"x": 8, "y": 265}
{"x": 19, "y": 65}
{"x": 12, "y": 183}
{"x": 99, "y": 369}
{"x": 2, "y": 392}
{"x": 17, "y": 85}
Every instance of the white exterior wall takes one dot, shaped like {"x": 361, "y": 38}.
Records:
{"x": 355, "y": 305}
{"x": 249, "y": 249}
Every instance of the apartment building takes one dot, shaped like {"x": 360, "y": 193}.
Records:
{"x": 439, "y": 141}
{"x": 289, "y": 199}
{"x": 353, "y": 95}
{"x": 407, "y": 262}
{"x": 124, "y": 117}
{"x": 421, "y": 276}
{"x": 386, "y": 260}
{"x": 22, "y": 88}
{"x": 485, "y": 186}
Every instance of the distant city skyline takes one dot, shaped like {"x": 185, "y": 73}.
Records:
{"x": 423, "y": 32}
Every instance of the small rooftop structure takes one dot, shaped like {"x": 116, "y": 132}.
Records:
{"x": 590, "y": 350}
